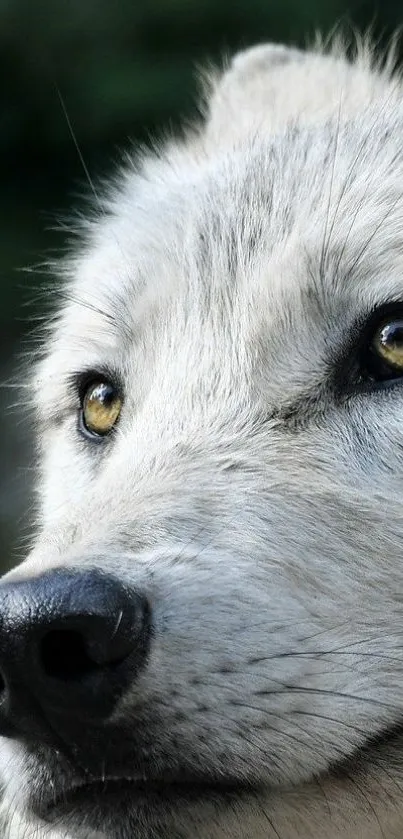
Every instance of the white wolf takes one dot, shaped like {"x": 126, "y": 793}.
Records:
{"x": 207, "y": 638}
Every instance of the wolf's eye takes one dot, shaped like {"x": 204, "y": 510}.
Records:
{"x": 385, "y": 357}
{"x": 101, "y": 407}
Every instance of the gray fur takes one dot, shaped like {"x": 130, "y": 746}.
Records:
{"x": 251, "y": 489}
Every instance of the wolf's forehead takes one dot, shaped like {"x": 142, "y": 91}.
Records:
{"x": 313, "y": 215}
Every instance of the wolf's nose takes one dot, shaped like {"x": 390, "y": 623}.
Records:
{"x": 70, "y": 644}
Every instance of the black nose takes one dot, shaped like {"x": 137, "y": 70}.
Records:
{"x": 70, "y": 644}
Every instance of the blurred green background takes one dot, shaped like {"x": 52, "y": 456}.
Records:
{"x": 124, "y": 69}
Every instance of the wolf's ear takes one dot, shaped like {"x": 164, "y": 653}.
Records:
{"x": 266, "y": 87}
{"x": 250, "y": 88}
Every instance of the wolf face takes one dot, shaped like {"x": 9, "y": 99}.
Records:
{"x": 211, "y": 617}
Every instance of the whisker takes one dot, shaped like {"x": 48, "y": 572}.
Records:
{"x": 325, "y": 237}
{"x": 366, "y": 798}
{"x": 267, "y": 817}
{"x": 78, "y": 149}
{"x": 352, "y": 167}
{"x": 373, "y": 234}
{"x": 366, "y": 700}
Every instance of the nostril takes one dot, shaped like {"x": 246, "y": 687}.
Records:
{"x": 64, "y": 656}
{"x": 68, "y": 639}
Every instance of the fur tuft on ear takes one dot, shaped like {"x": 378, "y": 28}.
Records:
{"x": 266, "y": 87}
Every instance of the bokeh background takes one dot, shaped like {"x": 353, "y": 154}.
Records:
{"x": 122, "y": 70}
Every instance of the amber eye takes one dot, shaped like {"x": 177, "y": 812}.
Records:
{"x": 101, "y": 407}
{"x": 387, "y": 349}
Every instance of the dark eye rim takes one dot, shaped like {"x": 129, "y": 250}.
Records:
{"x": 356, "y": 369}
{"x": 82, "y": 382}
{"x": 374, "y": 367}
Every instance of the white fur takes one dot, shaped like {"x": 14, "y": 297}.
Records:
{"x": 259, "y": 506}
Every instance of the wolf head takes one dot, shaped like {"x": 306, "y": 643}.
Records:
{"x": 213, "y": 605}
